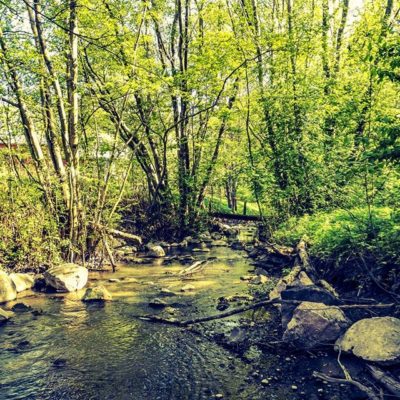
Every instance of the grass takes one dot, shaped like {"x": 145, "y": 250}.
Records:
{"x": 221, "y": 205}
{"x": 349, "y": 238}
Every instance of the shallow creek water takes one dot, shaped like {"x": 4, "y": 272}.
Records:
{"x": 91, "y": 351}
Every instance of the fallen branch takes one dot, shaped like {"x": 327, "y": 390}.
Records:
{"x": 368, "y": 391}
{"x": 195, "y": 267}
{"x": 304, "y": 259}
{"x": 119, "y": 234}
{"x": 239, "y": 310}
{"x": 385, "y": 379}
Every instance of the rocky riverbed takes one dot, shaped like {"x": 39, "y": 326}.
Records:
{"x": 57, "y": 345}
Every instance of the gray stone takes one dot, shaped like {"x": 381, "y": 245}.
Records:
{"x": 155, "y": 251}
{"x": 314, "y": 324}
{"x": 5, "y": 315}
{"x": 8, "y": 290}
{"x": 98, "y": 293}
{"x": 22, "y": 281}
{"x": 66, "y": 277}
{"x": 373, "y": 339}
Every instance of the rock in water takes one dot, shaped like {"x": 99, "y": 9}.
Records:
{"x": 98, "y": 293}
{"x": 5, "y": 315}
{"x": 373, "y": 339}
{"x": 21, "y": 307}
{"x": 259, "y": 280}
{"x": 22, "y": 281}
{"x": 8, "y": 290}
{"x": 155, "y": 251}
{"x": 187, "y": 288}
{"x": 314, "y": 324}
{"x": 158, "y": 303}
{"x": 66, "y": 277}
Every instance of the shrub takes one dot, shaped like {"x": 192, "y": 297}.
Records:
{"x": 28, "y": 234}
{"x": 344, "y": 238}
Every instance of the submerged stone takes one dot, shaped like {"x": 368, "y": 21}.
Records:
{"x": 21, "y": 307}
{"x": 187, "y": 288}
{"x": 158, "y": 303}
{"x": 98, "y": 293}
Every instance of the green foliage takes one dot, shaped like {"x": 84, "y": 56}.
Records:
{"x": 345, "y": 236}
{"x": 29, "y": 236}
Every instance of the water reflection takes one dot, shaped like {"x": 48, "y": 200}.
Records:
{"x": 80, "y": 351}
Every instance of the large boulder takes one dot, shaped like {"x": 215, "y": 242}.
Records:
{"x": 314, "y": 324}
{"x": 299, "y": 293}
{"x": 8, "y": 290}
{"x": 154, "y": 250}
{"x": 66, "y": 277}
{"x": 373, "y": 339}
{"x": 98, "y": 293}
{"x": 5, "y": 315}
{"x": 22, "y": 281}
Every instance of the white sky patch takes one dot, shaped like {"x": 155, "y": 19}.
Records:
{"x": 355, "y": 7}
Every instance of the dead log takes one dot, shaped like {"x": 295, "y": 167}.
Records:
{"x": 365, "y": 389}
{"x": 195, "y": 267}
{"x": 242, "y": 309}
{"x": 130, "y": 237}
{"x": 305, "y": 259}
{"x": 385, "y": 379}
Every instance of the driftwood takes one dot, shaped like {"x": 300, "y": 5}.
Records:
{"x": 305, "y": 259}
{"x": 195, "y": 267}
{"x": 119, "y": 234}
{"x": 385, "y": 379}
{"x": 368, "y": 391}
{"x": 239, "y": 310}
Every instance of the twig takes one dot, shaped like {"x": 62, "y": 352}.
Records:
{"x": 385, "y": 379}
{"x": 368, "y": 391}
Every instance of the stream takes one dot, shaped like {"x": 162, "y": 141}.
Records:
{"x": 76, "y": 350}
{"x": 92, "y": 351}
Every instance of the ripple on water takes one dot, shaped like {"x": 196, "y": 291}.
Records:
{"x": 91, "y": 351}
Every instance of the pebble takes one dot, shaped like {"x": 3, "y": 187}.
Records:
{"x": 265, "y": 382}
{"x": 294, "y": 387}
{"x": 219, "y": 396}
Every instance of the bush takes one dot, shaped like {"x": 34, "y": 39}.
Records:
{"x": 28, "y": 235}
{"x": 344, "y": 238}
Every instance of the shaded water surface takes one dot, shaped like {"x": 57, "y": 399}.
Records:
{"x": 90, "y": 351}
